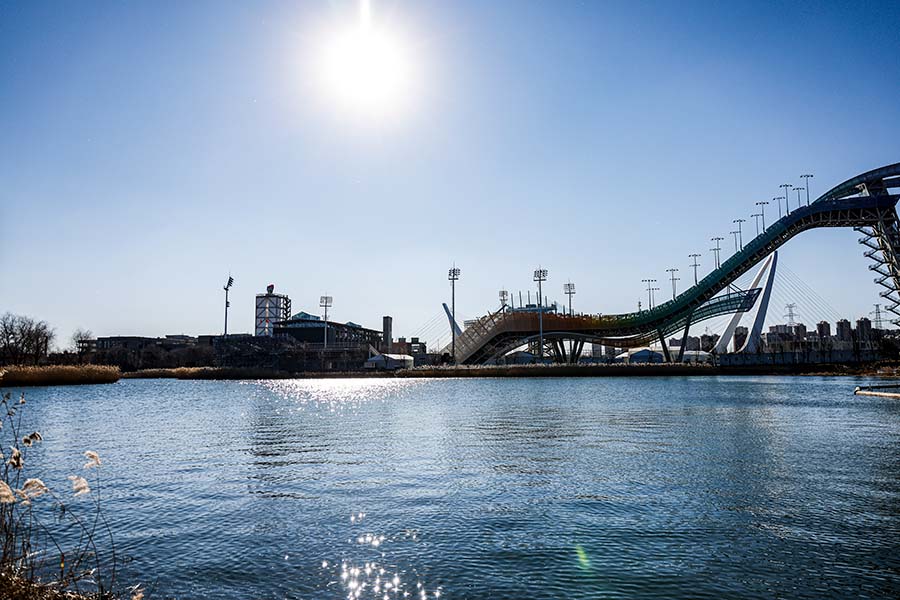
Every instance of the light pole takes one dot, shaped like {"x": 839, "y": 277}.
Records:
{"x": 787, "y": 188}
{"x": 740, "y": 223}
{"x": 779, "y": 199}
{"x": 756, "y": 216}
{"x": 325, "y": 302}
{"x": 672, "y": 272}
{"x": 649, "y": 283}
{"x": 569, "y": 289}
{"x": 656, "y": 289}
{"x": 695, "y": 264}
{"x": 799, "y": 202}
{"x": 453, "y": 275}
{"x": 807, "y": 177}
{"x": 734, "y": 234}
{"x": 762, "y": 212}
{"x": 227, "y": 287}
{"x": 540, "y": 275}
{"x": 504, "y": 299}
{"x": 717, "y": 249}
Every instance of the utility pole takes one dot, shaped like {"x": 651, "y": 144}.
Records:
{"x": 787, "y": 187}
{"x": 453, "y": 276}
{"x": 325, "y": 302}
{"x": 807, "y": 177}
{"x": 672, "y": 272}
{"x": 649, "y": 283}
{"x": 762, "y": 212}
{"x": 540, "y": 275}
{"x": 740, "y": 223}
{"x": 717, "y": 249}
{"x": 695, "y": 264}
{"x": 227, "y": 287}
{"x": 569, "y": 289}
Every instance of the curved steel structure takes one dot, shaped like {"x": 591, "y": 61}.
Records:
{"x": 863, "y": 202}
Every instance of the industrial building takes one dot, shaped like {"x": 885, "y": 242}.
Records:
{"x": 270, "y": 309}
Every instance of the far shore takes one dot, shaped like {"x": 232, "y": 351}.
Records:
{"x": 97, "y": 374}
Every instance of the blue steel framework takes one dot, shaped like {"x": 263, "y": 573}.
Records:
{"x": 863, "y": 202}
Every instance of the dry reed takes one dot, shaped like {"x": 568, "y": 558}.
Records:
{"x": 58, "y": 375}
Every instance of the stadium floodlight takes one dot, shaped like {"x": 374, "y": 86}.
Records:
{"x": 227, "y": 287}
{"x": 540, "y": 276}
{"x": 326, "y": 302}
{"x": 569, "y": 290}
{"x": 453, "y": 276}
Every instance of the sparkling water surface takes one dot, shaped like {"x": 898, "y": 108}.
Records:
{"x": 764, "y": 487}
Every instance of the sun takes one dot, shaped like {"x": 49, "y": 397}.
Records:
{"x": 366, "y": 68}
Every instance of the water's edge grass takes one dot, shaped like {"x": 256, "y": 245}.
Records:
{"x": 20, "y": 376}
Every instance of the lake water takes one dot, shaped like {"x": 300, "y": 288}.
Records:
{"x": 489, "y": 488}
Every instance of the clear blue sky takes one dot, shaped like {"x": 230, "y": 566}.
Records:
{"x": 149, "y": 148}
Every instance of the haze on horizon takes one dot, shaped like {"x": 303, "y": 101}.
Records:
{"x": 150, "y": 149}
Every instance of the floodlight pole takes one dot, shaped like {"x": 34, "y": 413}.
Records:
{"x": 649, "y": 283}
{"x": 672, "y": 272}
{"x": 787, "y": 188}
{"x": 740, "y": 223}
{"x": 762, "y": 212}
{"x": 540, "y": 275}
{"x": 799, "y": 201}
{"x": 569, "y": 289}
{"x": 227, "y": 287}
{"x": 779, "y": 199}
{"x": 453, "y": 276}
{"x": 695, "y": 264}
{"x": 325, "y": 302}
{"x": 756, "y": 216}
{"x": 807, "y": 177}
{"x": 717, "y": 249}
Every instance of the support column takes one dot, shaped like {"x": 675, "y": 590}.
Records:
{"x": 665, "y": 347}
{"x": 684, "y": 337}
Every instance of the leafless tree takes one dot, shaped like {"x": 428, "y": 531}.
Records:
{"x": 24, "y": 340}
{"x": 79, "y": 337}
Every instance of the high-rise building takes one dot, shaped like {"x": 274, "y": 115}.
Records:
{"x": 387, "y": 326}
{"x": 823, "y": 329}
{"x": 271, "y": 308}
{"x": 798, "y": 331}
{"x": 844, "y": 332}
{"x": 864, "y": 329}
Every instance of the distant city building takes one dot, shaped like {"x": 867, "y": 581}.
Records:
{"x": 823, "y": 330}
{"x": 864, "y": 329}
{"x": 740, "y": 337}
{"x": 693, "y": 343}
{"x": 270, "y": 309}
{"x": 798, "y": 331}
{"x": 708, "y": 341}
{"x": 844, "y": 331}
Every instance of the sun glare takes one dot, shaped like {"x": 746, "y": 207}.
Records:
{"x": 366, "y": 68}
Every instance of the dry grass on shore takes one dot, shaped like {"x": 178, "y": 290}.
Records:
{"x": 207, "y": 373}
{"x": 58, "y": 375}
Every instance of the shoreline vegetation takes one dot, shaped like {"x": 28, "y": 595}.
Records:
{"x": 51, "y": 375}
{"x": 614, "y": 370}
{"x": 25, "y": 376}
